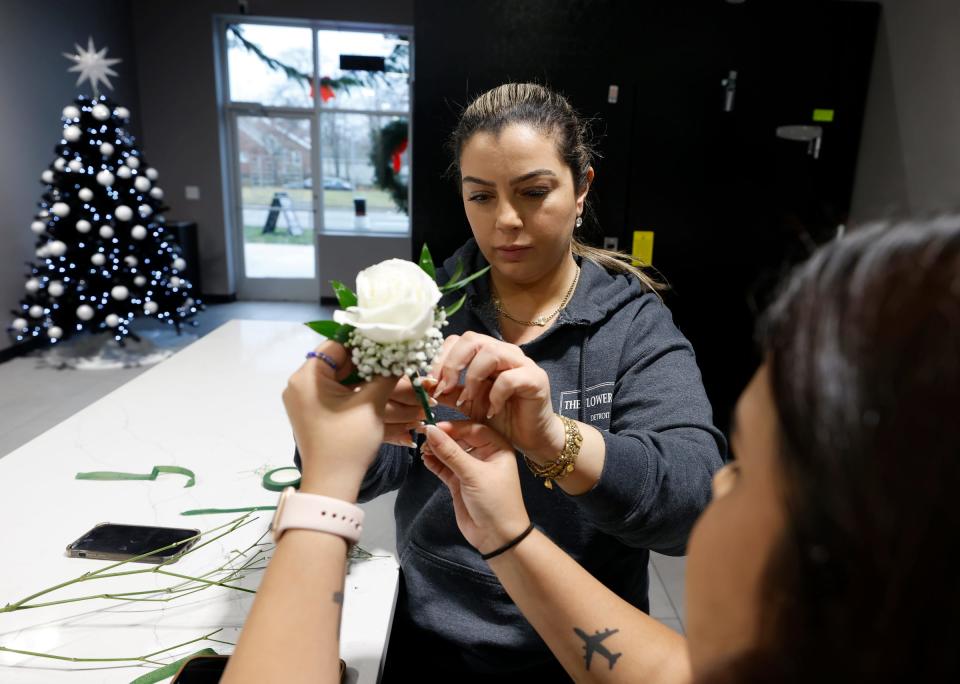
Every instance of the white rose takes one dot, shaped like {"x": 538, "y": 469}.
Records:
{"x": 395, "y": 302}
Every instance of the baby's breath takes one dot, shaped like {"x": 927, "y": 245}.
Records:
{"x": 411, "y": 358}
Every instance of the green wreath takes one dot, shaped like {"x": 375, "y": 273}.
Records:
{"x": 388, "y": 144}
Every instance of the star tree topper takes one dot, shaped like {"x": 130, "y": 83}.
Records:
{"x": 93, "y": 65}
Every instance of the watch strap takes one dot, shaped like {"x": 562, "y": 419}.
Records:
{"x": 299, "y": 510}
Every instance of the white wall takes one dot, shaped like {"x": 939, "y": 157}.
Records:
{"x": 910, "y": 151}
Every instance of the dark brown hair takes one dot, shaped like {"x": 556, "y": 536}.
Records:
{"x": 551, "y": 114}
{"x": 864, "y": 354}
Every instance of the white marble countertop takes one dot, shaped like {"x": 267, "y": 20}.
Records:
{"x": 214, "y": 408}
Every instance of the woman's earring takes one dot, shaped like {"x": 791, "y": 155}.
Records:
{"x": 579, "y": 221}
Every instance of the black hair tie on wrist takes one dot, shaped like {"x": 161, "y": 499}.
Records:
{"x": 509, "y": 545}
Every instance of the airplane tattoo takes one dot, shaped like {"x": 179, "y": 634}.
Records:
{"x": 591, "y": 645}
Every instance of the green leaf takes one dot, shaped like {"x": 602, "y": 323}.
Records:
{"x": 343, "y": 334}
{"x": 426, "y": 262}
{"x": 345, "y": 295}
{"x": 457, "y": 272}
{"x": 451, "y": 286}
{"x": 167, "y": 671}
{"x": 329, "y": 329}
{"x": 455, "y": 307}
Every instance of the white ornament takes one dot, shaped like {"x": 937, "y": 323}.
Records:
{"x": 101, "y": 112}
{"x": 141, "y": 184}
{"x": 93, "y": 65}
{"x": 151, "y": 307}
{"x": 75, "y": 165}
{"x": 106, "y": 232}
{"x": 42, "y": 252}
{"x": 55, "y": 332}
{"x": 152, "y": 174}
{"x": 57, "y": 248}
{"x": 55, "y": 288}
{"x": 98, "y": 259}
{"x": 156, "y": 193}
{"x": 43, "y": 213}
{"x": 130, "y": 260}
{"x": 71, "y": 112}
{"x": 105, "y": 178}
{"x": 122, "y": 112}
{"x": 86, "y": 194}
{"x": 60, "y": 164}
{"x": 123, "y": 172}
{"x": 72, "y": 133}
{"x": 145, "y": 210}
{"x": 140, "y": 281}
{"x": 124, "y": 213}
{"x": 83, "y": 226}
{"x": 32, "y": 285}
{"x": 133, "y": 162}
{"x": 113, "y": 320}
{"x": 138, "y": 232}
{"x": 179, "y": 263}
{"x": 175, "y": 281}
{"x": 36, "y": 311}
{"x": 84, "y": 312}
{"x": 61, "y": 209}
{"x": 38, "y": 227}
{"x": 47, "y": 176}
{"x": 119, "y": 292}
{"x": 19, "y": 323}
{"x": 106, "y": 149}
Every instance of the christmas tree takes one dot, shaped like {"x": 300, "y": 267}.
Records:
{"x": 104, "y": 255}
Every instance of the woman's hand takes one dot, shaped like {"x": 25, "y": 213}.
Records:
{"x": 483, "y": 481}
{"x": 503, "y": 388}
{"x": 338, "y": 429}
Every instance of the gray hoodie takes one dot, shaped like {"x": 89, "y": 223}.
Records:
{"x": 616, "y": 362}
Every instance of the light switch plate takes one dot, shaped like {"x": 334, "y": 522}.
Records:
{"x": 192, "y": 192}
{"x": 611, "y": 243}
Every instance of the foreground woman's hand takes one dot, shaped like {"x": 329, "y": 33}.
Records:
{"x": 338, "y": 429}
{"x": 484, "y": 483}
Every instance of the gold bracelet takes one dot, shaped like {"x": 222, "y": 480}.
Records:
{"x": 565, "y": 463}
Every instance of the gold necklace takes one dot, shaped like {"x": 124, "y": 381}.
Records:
{"x": 540, "y": 321}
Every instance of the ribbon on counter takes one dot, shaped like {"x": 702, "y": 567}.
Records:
{"x": 152, "y": 475}
{"x": 269, "y": 483}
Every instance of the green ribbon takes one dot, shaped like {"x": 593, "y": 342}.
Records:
{"x": 272, "y": 485}
{"x": 110, "y": 475}
{"x": 169, "y": 670}
{"x": 268, "y": 483}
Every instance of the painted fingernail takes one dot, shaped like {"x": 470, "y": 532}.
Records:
{"x": 432, "y": 403}
{"x": 441, "y": 387}
{"x": 412, "y": 444}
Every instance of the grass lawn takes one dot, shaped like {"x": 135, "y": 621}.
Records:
{"x": 280, "y": 237}
{"x": 263, "y": 195}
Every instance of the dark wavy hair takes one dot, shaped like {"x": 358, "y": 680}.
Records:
{"x": 863, "y": 346}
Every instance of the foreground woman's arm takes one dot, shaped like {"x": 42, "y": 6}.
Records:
{"x": 292, "y": 631}
{"x": 596, "y": 636}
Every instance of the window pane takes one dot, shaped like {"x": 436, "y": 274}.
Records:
{"x": 277, "y": 200}
{"x": 252, "y": 79}
{"x": 387, "y": 90}
{"x": 366, "y": 166}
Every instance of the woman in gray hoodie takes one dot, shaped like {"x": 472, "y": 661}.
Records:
{"x": 569, "y": 352}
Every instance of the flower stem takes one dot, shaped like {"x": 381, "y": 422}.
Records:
{"x": 424, "y": 401}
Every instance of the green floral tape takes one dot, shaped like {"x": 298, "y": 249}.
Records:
{"x": 169, "y": 670}
{"x": 215, "y": 511}
{"x": 109, "y": 475}
{"x": 275, "y": 486}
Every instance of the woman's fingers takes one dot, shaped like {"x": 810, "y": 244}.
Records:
{"x": 527, "y": 382}
{"x": 397, "y": 413}
{"x": 399, "y": 435}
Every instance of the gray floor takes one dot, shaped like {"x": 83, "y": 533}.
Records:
{"x": 34, "y": 397}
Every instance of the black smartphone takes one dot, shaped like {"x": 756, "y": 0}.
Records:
{"x": 111, "y": 541}
{"x": 209, "y": 669}
{"x": 204, "y": 669}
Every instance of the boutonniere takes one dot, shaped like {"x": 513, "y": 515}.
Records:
{"x": 392, "y": 323}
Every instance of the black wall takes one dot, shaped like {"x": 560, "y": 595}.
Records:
{"x": 729, "y": 202}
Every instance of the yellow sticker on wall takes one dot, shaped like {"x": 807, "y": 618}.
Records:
{"x": 642, "y": 252}
{"x": 823, "y": 115}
